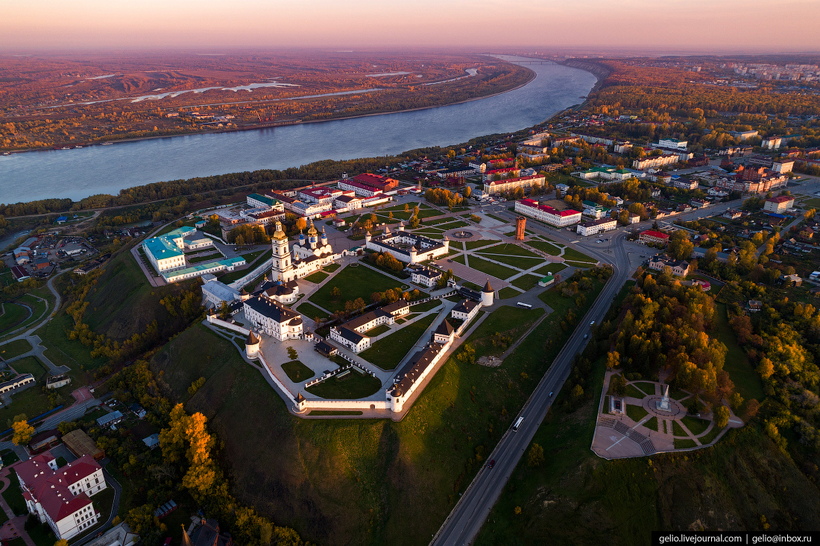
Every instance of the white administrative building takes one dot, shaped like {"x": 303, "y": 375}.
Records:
{"x": 407, "y": 247}
{"x": 60, "y": 497}
{"x": 547, "y": 214}
{"x": 167, "y": 254}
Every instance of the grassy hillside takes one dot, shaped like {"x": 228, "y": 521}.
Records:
{"x": 123, "y": 302}
{"x": 578, "y": 498}
{"x": 357, "y": 481}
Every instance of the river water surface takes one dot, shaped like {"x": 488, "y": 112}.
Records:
{"x": 94, "y": 170}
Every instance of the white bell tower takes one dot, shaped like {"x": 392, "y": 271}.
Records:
{"x": 282, "y": 266}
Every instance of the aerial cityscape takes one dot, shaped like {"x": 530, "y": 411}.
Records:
{"x": 442, "y": 274}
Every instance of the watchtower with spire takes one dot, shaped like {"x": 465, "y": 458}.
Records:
{"x": 487, "y": 295}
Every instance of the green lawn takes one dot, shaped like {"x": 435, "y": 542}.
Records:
{"x": 709, "y": 438}
{"x": 353, "y": 282}
{"x": 677, "y": 430}
{"x": 509, "y": 321}
{"x": 471, "y": 245}
{"x": 508, "y": 292}
{"x": 351, "y": 386}
{"x": 378, "y": 330}
{"x": 652, "y": 424}
{"x": 311, "y": 311}
{"x": 297, "y": 372}
{"x": 551, "y": 269}
{"x": 15, "y": 348}
{"x": 494, "y": 270}
{"x": 203, "y": 353}
{"x": 426, "y": 306}
{"x": 647, "y": 387}
{"x": 636, "y": 413}
{"x": 514, "y": 261}
{"x": 12, "y": 317}
{"x": 460, "y": 259}
{"x": 215, "y": 257}
{"x": 684, "y": 443}
{"x": 32, "y": 365}
{"x": 331, "y": 268}
{"x": 14, "y": 497}
{"x": 317, "y": 277}
{"x": 63, "y": 351}
{"x": 543, "y": 246}
{"x": 509, "y": 249}
{"x": 696, "y": 426}
{"x": 634, "y": 392}
{"x": 747, "y": 381}
{"x": 526, "y": 282}
{"x": 574, "y": 255}
{"x": 388, "y": 352}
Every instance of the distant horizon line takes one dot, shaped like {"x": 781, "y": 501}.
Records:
{"x": 586, "y": 51}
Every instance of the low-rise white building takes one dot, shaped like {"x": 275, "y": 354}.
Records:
{"x": 425, "y": 276}
{"x": 597, "y": 226}
{"x": 59, "y": 497}
{"x": 465, "y": 310}
{"x": 779, "y": 204}
{"x": 271, "y": 318}
{"x": 547, "y": 214}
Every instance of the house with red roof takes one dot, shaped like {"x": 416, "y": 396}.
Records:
{"x": 60, "y": 497}
{"x": 654, "y": 237}
{"x": 547, "y": 214}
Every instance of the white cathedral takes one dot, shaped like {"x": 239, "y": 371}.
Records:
{"x": 309, "y": 254}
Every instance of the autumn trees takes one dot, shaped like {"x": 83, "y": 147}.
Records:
{"x": 665, "y": 325}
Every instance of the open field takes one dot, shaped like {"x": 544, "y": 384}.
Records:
{"x": 543, "y": 246}
{"x": 389, "y": 351}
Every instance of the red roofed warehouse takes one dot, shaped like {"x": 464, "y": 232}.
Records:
{"x": 654, "y": 237}
{"x": 60, "y": 497}
{"x": 547, "y": 214}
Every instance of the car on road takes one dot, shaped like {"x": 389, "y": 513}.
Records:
{"x": 586, "y": 336}
{"x": 491, "y": 464}
{"x": 550, "y": 394}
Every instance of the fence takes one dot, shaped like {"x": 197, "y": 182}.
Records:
{"x": 213, "y": 319}
{"x": 239, "y": 283}
{"x": 279, "y": 384}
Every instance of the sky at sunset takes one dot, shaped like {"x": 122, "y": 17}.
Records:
{"x": 659, "y": 25}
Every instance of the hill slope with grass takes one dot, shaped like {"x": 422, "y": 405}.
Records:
{"x": 361, "y": 482}
{"x": 123, "y": 303}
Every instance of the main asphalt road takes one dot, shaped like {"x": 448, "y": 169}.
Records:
{"x": 466, "y": 519}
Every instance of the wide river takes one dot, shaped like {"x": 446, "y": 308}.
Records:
{"x": 94, "y": 170}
